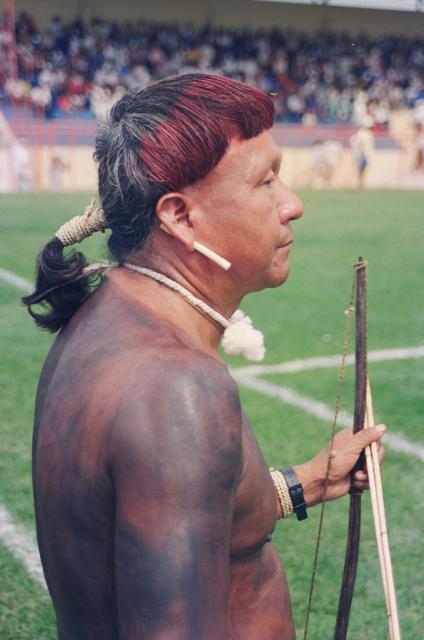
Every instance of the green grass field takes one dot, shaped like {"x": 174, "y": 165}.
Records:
{"x": 300, "y": 320}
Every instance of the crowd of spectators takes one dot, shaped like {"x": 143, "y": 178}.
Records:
{"x": 79, "y": 69}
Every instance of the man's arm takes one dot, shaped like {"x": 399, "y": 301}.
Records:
{"x": 347, "y": 448}
{"x": 176, "y": 459}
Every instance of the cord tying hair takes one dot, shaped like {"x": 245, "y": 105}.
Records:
{"x": 81, "y": 227}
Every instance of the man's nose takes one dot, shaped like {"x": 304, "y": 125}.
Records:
{"x": 290, "y": 205}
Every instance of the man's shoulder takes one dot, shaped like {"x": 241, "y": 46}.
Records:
{"x": 176, "y": 377}
{"x": 179, "y": 408}
{"x": 184, "y": 364}
{"x": 181, "y": 374}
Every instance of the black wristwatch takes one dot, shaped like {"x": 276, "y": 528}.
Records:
{"x": 296, "y": 493}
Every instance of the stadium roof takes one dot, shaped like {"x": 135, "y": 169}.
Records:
{"x": 393, "y": 5}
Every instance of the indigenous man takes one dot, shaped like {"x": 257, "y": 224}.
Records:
{"x": 155, "y": 507}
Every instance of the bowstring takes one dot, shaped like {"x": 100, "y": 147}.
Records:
{"x": 340, "y": 380}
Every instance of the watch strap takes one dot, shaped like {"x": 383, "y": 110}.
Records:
{"x": 296, "y": 492}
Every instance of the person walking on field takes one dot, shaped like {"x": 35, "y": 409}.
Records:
{"x": 155, "y": 507}
{"x": 362, "y": 143}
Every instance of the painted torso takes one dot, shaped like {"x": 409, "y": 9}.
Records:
{"x": 147, "y": 477}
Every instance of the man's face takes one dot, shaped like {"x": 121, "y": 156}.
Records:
{"x": 244, "y": 211}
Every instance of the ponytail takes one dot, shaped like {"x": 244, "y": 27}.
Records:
{"x": 61, "y": 283}
{"x": 60, "y": 287}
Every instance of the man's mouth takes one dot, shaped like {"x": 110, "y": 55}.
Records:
{"x": 286, "y": 244}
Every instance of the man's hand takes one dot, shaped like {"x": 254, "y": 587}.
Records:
{"x": 345, "y": 452}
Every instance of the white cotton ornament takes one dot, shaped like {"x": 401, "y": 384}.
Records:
{"x": 241, "y": 338}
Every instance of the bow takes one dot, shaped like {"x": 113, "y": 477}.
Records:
{"x": 354, "y": 526}
{"x": 363, "y": 418}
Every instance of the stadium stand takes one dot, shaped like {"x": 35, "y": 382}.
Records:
{"x": 79, "y": 69}
{"x": 64, "y": 74}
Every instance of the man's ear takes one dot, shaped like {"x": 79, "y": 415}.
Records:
{"x": 173, "y": 212}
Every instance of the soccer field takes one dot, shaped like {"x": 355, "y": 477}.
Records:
{"x": 304, "y": 319}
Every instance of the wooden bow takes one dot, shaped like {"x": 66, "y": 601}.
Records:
{"x": 363, "y": 418}
{"x": 354, "y": 526}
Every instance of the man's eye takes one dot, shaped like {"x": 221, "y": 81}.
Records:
{"x": 269, "y": 181}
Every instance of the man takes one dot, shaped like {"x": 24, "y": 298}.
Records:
{"x": 362, "y": 144}
{"x": 155, "y": 507}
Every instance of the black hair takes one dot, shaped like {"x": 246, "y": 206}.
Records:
{"x": 54, "y": 271}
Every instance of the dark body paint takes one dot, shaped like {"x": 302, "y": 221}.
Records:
{"x": 154, "y": 504}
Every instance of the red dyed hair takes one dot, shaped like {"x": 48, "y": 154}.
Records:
{"x": 195, "y": 133}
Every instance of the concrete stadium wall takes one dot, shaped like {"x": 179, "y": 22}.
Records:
{"x": 79, "y": 173}
{"x": 235, "y": 13}
{"x": 387, "y": 169}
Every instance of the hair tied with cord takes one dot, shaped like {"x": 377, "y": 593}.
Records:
{"x": 83, "y": 226}
{"x": 73, "y": 277}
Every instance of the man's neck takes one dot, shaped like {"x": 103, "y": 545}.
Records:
{"x": 203, "y": 279}
{"x": 170, "y": 306}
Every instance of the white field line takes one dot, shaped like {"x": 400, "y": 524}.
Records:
{"x": 14, "y": 536}
{"x": 327, "y": 362}
{"x": 395, "y": 441}
{"x": 17, "y": 281}
{"x": 21, "y": 544}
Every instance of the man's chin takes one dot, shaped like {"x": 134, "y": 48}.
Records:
{"x": 279, "y": 276}
{"x": 274, "y": 279}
